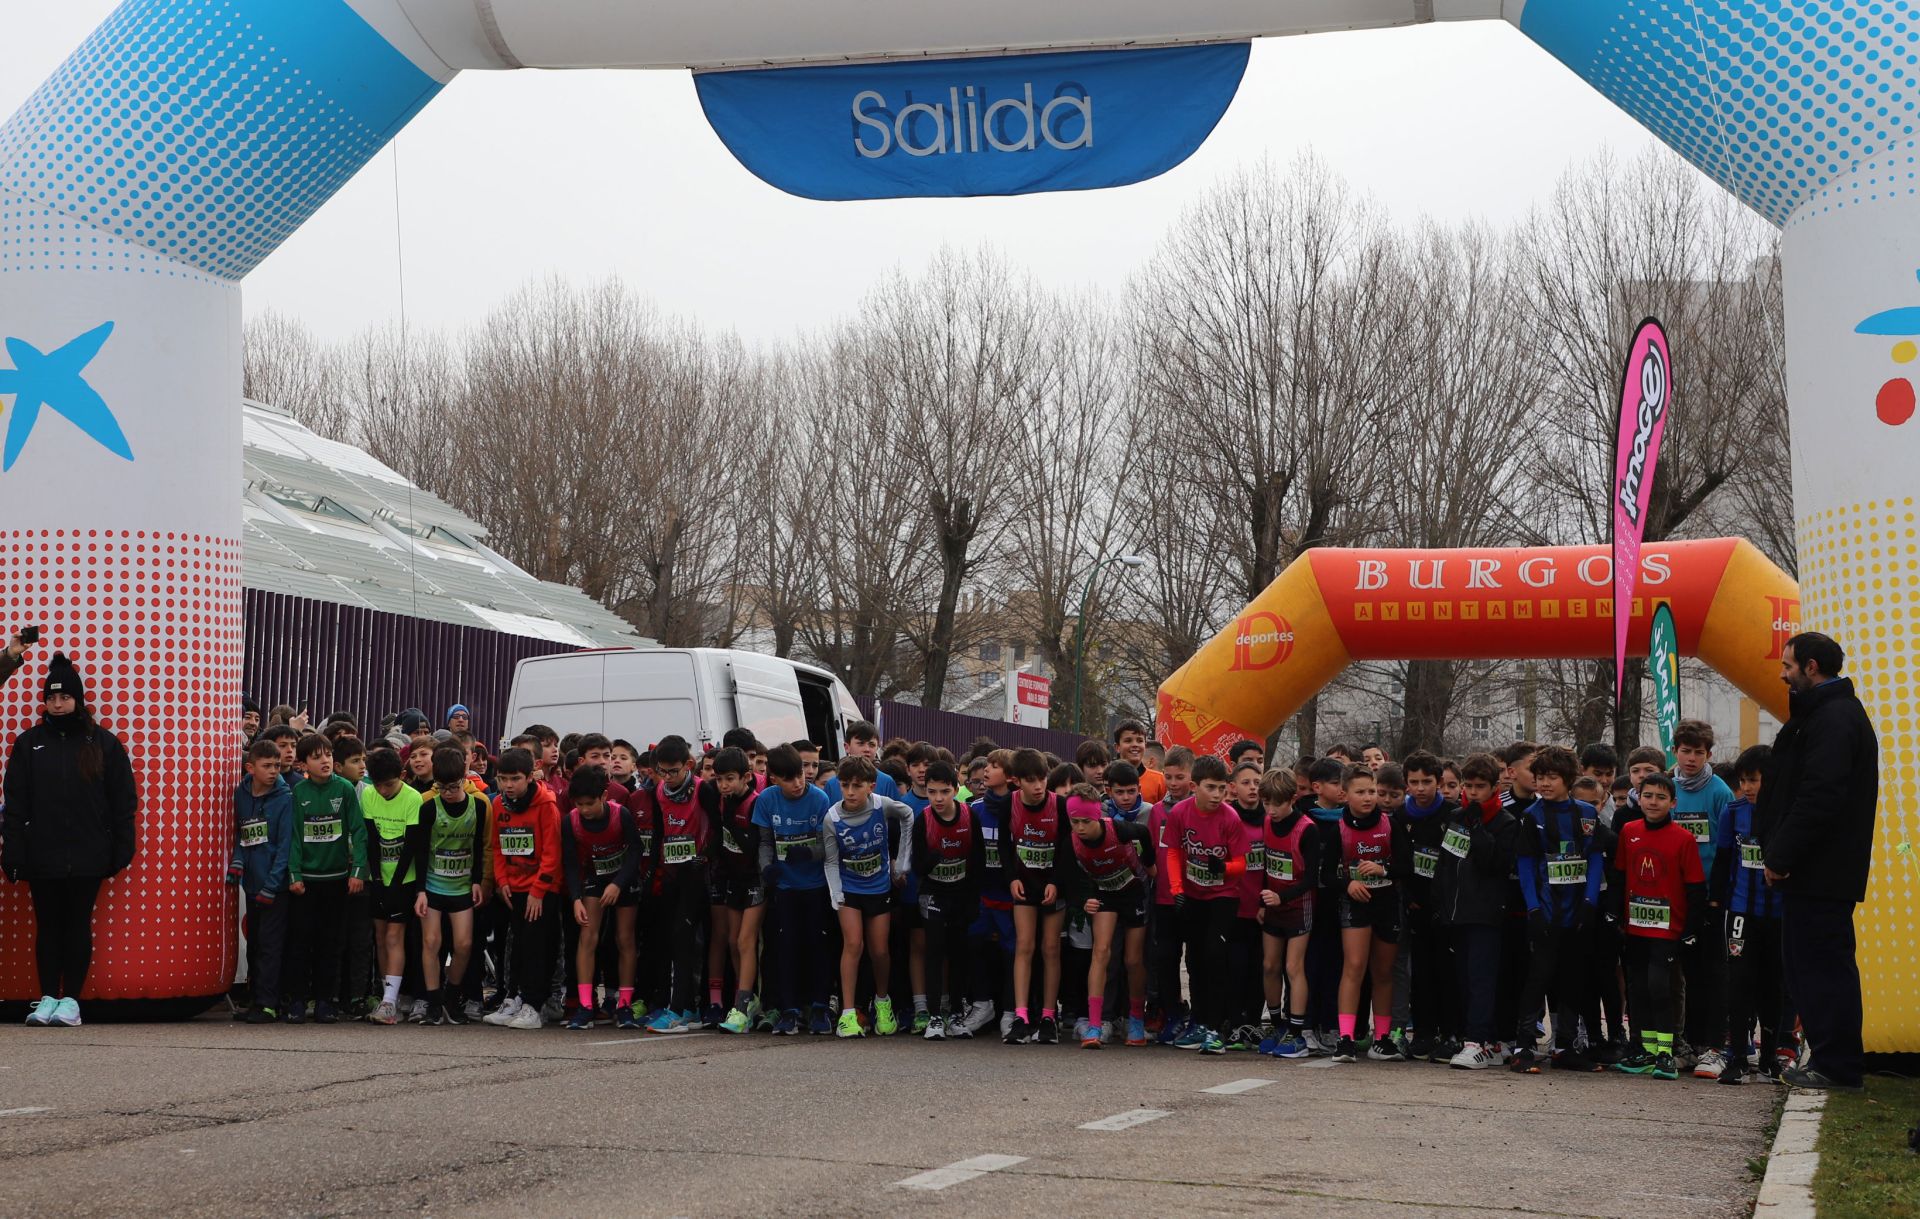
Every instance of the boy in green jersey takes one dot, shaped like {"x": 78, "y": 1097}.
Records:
{"x": 392, "y": 813}
{"x": 451, "y": 830}
{"x": 327, "y": 864}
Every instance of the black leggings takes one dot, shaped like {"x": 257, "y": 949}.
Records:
{"x": 950, "y": 951}
{"x": 1205, "y": 927}
{"x": 63, "y": 937}
{"x": 1649, "y": 965}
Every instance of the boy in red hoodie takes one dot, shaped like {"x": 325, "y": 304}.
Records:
{"x": 1204, "y": 859}
{"x": 526, "y": 871}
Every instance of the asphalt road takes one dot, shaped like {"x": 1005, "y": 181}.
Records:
{"x": 213, "y": 1118}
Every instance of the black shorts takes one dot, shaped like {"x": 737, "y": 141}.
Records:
{"x": 869, "y": 905}
{"x": 1289, "y": 921}
{"x": 735, "y": 892}
{"x": 957, "y": 908}
{"x": 450, "y": 903}
{"x": 391, "y": 903}
{"x": 1129, "y": 903}
{"x": 1381, "y": 915}
{"x": 628, "y": 899}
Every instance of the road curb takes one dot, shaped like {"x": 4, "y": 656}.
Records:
{"x": 1787, "y": 1190}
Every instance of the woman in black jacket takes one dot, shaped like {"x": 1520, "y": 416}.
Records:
{"x": 70, "y": 800}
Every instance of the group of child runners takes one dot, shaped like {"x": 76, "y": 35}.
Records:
{"x": 1526, "y": 907}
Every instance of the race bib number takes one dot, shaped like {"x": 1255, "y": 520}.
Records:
{"x": 1567, "y": 870}
{"x": 1256, "y": 858}
{"x": 1456, "y": 842}
{"x": 326, "y": 829}
{"x": 948, "y": 872}
{"x": 253, "y": 833}
{"x": 1426, "y": 861}
{"x": 1650, "y": 913}
{"x": 1035, "y": 857}
{"x": 1753, "y": 855}
{"x": 679, "y": 850}
{"x": 452, "y": 863}
{"x": 390, "y": 849}
{"x": 1198, "y": 874}
{"x": 516, "y": 843}
{"x": 1380, "y": 881}
{"x": 1114, "y": 880}
{"x": 993, "y": 852}
{"x": 863, "y": 865}
{"x": 782, "y": 845}
{"x": 1698, "y": 826}
{"x": 610, "y": 863}
{"x": 1280, "y": 867}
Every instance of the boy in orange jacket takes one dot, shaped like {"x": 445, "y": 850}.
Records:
{"x": 526, "y": 871}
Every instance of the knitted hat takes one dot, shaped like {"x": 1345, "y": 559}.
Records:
{"x": 458, "y": 709}
{"x": 412, "y": 720}
{"x": 248, "y": 705}
{"x": 63, "y": 678}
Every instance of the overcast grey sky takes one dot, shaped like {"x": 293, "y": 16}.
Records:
{"x": 512, "y": 175}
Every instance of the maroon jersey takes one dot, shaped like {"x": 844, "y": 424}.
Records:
{"x": 1287, "y": 863}
{"x": 1366, "y": 844}
{"x": 1112, "y": 863}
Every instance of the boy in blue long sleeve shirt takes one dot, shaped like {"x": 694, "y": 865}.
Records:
{"x": 1737, "y": 882}
{"x": 1560, "y": 864}
{"x": 792, "y": 813}
{"x": 262, "y": 845}
{"x": 1700, "y": 807}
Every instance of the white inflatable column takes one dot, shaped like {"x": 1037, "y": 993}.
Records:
{"x": 170, "y": 154}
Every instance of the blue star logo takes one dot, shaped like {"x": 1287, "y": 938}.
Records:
{"x": 53, "y": 379}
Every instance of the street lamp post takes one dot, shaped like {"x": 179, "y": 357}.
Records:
{"x": 1080, "y": 624}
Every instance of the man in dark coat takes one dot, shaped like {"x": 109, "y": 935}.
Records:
{"x": 1815, "y": 821}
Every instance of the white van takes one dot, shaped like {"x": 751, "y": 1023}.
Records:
{"x": 643, "y": 694}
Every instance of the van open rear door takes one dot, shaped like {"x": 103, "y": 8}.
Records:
{"x": 766, "y": 698}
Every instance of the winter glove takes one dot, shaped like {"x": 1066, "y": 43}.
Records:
{"x": 263, "y": 898}
{"x": 234, "y": 872}
{"x": 1179, "y": 903}
{"x": 1216, "y": 867}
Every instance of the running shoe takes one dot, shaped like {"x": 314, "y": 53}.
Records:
{"x": 1213, "y": 1043}
{"x": 1091, "y": 1036}
{"x": 527, "y": 1016}
{"x": 1192, "y": 1036}
{"x": 787, "y": 1024}
{"x": 1639, "y": 1062}
{"x": 1136, "y": 1031}
{"x": 1079, "y": 1028}
{"x": 1710, "y": 1065}
{"x": 737, "y": 1021}
{"x": 42, "y": 1013}
{"x": 1289, "y": 1047}
{"x": 979, "y": 1015}
{"x": 1266, "y": 1045}
{"x": 766, "y": 1019}
{"x": 1347, "y": 1051}
{"x": 554, "y": 1009}
{"x": 936, "y": 1029}
{"x": 473, "y": 1009}
{"x": 418, "y": 1014}
{"x": 503, "y": 1015}
{"x": 1246, "y": 1037}
{"x": 849, "y": 1025}
{"x": 1316, "y": 1044}
{"x": 885, "y": 1023}
{"x": 1047, "y": 1032}
{"x": 296, "y": 1013}
{"x": 1422, "y": 1046}
{"x": 1501, "y": 1050}
{"x": 1602, "y": 1054}
{"x": 255, "y": 1015}
{"x": 1473, "y": 1056}
{"x": 1525, "y": 1062}
{"x": 922, "y": 1021}
{"x": 581, "y": 1019}
{"x": 67, "y": 1013}
{"x": 1385, "y": 1049}
{"x": 325, "y": 1013}
{"x": 1019, "y": 1032}
{"x": 711, "y": 1018}
{"x": 957, "y": 1027}
{"x": 436, "y": 1014}
{"x": 820, "y": 1023}
{"x": 1664, "y": 1067}
{"x": 1445, "y": 1048}
{"x": 384, "y": 1013}
{"x": 1683, "y": 1055}
{"x": 454, "y": 1013}
{"x": 1575, "y": 1062}
{"x": 1735, "y": 1071}
{"x": 1171, "y": 1030}
{"x": 673, "y": 1022}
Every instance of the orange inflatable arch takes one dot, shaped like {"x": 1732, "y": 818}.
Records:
{"x": 1732, "y": 608}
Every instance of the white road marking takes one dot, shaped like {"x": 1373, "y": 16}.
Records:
{"x": 620, "y": 1041}
{"x": 1132, "y": 1117}
{"x": 25, "y": 1112}
{"x": 1323, "y": 1063}
{"x": 1237, "y": 1086}
{"x": 963, "y": 1170}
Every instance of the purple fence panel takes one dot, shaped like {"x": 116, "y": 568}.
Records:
{"x": 329, "y": 658}
{"x": 957, "y": 732}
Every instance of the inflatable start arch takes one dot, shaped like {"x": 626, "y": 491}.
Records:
{"x": 185, "y": 139}
{"x": 1731, "y": 607}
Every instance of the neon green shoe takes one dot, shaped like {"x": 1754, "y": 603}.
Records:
{"x": 883, "y": 1020}
{"x": 849, "y": 1025}
{"x": 920, "y": 1022}
{"x": 737, "y": 1021}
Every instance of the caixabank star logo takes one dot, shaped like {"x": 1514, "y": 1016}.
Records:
{"x": 54, "y": 380}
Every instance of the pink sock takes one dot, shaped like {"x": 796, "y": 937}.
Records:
{"x": 1020, "y": 1013}
{"x": 713, "y": 992}
{"x": 626, "y": 996}
{"x": 1094, "y": 1004}
{"x": 1347, "y": 1021}
{"x": 1137, "y": 1008}
{"x": 1382, "y": 1025}
{"x": 586, "y": 995}
{"x": 1046, "y": 1013}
